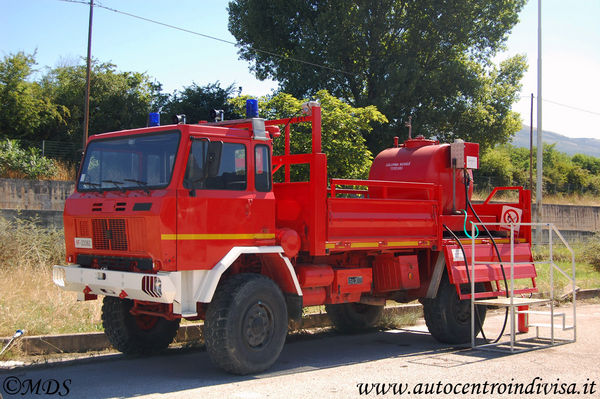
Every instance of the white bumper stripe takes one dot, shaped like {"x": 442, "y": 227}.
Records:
{"x": 112, "y": 283}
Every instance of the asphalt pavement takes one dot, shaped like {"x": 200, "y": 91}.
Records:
{"x": 394, "y": 363}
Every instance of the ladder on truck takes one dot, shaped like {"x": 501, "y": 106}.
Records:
{"x": 521, "y": 306}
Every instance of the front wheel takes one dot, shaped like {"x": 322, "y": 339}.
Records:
{"x": 448, "y": 318}
{"x": 246, "y": 324}
{"x": 135, "y": 335}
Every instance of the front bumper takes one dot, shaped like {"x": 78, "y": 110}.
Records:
{"x": 184, "y": 289}
{"x": 159, "y": 287}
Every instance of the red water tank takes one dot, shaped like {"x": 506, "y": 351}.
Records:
{"x": 423, "y": 161}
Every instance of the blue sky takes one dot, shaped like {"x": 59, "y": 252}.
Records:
{"x": 57, "y": 30}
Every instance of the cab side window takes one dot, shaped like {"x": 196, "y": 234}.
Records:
{"x": 216, "y": 166}
{"x": 262, "y": 171}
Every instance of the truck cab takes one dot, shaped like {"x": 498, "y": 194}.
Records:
{"x": 169, "y": 198}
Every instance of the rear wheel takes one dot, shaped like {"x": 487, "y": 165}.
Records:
{"x": 246, "y": 324}
{"x": 141, "y": 334}
{"x": 353, "y": 317}
{"x": 448, "y": 318}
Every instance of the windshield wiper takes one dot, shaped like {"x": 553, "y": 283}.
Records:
{"x": 118, "y": 184}
{"x": 142, "y": 185}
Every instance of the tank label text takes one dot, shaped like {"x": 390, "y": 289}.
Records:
{"x": 397, "y": 165}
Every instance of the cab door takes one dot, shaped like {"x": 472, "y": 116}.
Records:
{"x": 218, "y": 208}
{"x": 263, "y": 206}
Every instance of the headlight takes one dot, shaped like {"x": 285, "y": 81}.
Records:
{"x": 152, "y": 286}
{"x": 58, "y": 276}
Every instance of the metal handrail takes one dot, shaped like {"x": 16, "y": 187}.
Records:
{"x": 551, "y": 229}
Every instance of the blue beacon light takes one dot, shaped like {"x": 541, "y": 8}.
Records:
{"x": 251, "y": 108}
{"x": 154, "y": 119}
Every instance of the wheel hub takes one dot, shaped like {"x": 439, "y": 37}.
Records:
{"x": 462, "y": 311}
{"x": 258, "y": 325}
{"x": 146, "y": 322}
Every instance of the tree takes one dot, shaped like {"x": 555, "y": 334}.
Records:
{"x": 587, "y": 162}
{"x": 118, "y": 100}
{"x": 196, "y": 102}
{"x": 496, "y": 168}
{"x": 343, "y": 131}
{"x": 427, "y": 59}
{"x": 24, "y": 107}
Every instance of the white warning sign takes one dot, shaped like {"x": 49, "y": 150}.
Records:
{"x": 511, "y": 216}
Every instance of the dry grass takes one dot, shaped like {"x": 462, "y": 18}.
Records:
{"x": 65, "y": 171}
{"x": 29, "y": 299}
{"x": 62, "y": 171}
{"x": 572, "y": 199}
{"x": 390, "y": 321}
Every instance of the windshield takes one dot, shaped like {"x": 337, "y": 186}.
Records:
{"x": 132, "y": 162}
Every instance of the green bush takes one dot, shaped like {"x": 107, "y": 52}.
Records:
{"x": 591, "y": 253}
{"x": 17, "y": 162}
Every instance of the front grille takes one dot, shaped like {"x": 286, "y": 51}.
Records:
{"x": 84, "y": 230}
{"x": 109, "y": 234}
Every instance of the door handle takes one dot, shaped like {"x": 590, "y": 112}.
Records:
{"x": 249, "y": 206}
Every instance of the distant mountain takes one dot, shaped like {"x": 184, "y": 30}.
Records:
{"x": 564, "y": 144}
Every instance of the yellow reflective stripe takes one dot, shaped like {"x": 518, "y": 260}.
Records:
{"x": 378, "y": 244}
{"x": 488, "y": 241}
{"x": 364, "y": 244}
{"x": 403, "y": 244}
{"x": 257, "y": 236}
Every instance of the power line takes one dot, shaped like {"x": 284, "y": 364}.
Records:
{"x": 564, "y": 105}
{"x": 572, "y": 107}
{"x": 208, "y": 36}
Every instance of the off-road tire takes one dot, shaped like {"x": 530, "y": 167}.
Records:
{"x": 353, "y": 317}
{"x": 246, "y": 324}
{"x": 448, "y": 318}
{"x": 125, "y": 332}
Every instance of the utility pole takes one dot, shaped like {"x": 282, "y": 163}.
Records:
{"x": 531, "y": 145}
{"x": 538, "y": 191}
{"x": 86, "y": 116}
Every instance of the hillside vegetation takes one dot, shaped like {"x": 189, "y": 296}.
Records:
{"x": 563, "y": 175}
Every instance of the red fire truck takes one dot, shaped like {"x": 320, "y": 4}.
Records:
{"x": 185, "y": 221}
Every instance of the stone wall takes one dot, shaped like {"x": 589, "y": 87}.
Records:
{"x": 34, "y": 194}
{"x": 572, "y": 217}
{"x": 43, "y": 218}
